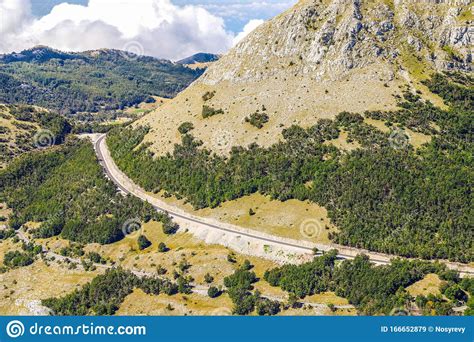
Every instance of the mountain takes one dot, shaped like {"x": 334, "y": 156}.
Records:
{"x": 362, "y": 107}
{"x": 37, "y": 54}
{"x": 199, "y": 58}
{"x": 91, "y": 81}
{"x": 316, "y": 60}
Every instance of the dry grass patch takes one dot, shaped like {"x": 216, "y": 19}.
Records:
{"x": 318, "y": 311}
{"x": 203, "y": 258}
{"x": 284, "y": 219}
{"x": 139, "y": 303}
{"x": 23, "y": 287}
{"x": 308, "y": 102}
{"x": 417, "y": 139}
{"x": 327, "y": 298}
{"x": 54, "y": 244}
{"x": 196, "y": 66}
{"x": 342, "y": 142}
{"x": 430, "y": 284}
{"x": 13, "y": 135}
{"x": 379, "y": 124}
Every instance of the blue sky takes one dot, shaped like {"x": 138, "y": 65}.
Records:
{"x": 235, "y": 13}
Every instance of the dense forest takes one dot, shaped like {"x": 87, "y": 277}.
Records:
{"x": 104, "y": 294}
{"x": 385, "y": 196}
{"x": 373, "y": 290}
{"x": 94, "y": 81}
{"x": 239, "y": 288}
{"x": 65, "y": 189}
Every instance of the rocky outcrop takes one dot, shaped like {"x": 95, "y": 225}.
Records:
{"x": 315, "y": 60}
{"x": 329, "y": 38}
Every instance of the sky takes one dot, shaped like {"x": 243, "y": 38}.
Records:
{"x": 171, "y": 29}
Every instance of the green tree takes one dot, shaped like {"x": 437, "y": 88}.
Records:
{"x": 162, "y": 248}
{"x": 143, "y": 242}
{"x": 213, "y": 292}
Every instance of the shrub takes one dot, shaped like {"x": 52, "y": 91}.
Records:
{"x": 247, "y": 266}
{"x": 162, "y": 248}
{"x": 184, "y": 266}
{"x": 143, "y": 242}
{"x": 240, "y": 278}
{"x": 346, "y": 119}
{"x": 267, "y": 307}
{"x": 96, "y": 258}
{"x": 213, "y": 292}
{"x": 454, "y": 292}
{"x": 17, "y": 259}
{"x": 72, "y": 251}
{"x": 185, "y": 127}
{"x": 209, "y": 111}
{"x": 49, "y": 228}
{"x": 161, "y": 270}
{"x": 208, "y": 278}
{"x": 257, "y": 119}
{"x": 6, "y": 233}
{"x": 15, "y": 222}
{"x": 208, "y": 95}
{"x": 169, "y": 226}
{"x": 231, "y": 258}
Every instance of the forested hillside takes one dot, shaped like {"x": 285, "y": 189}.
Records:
{"x": 64, "y": 189}
{"x": 94, "y": 81}
{"x": 105, "y": 293}
{"x": 384, "y": 196}
{"x": 25, "y": 128}
{"x": 374, "y": 290}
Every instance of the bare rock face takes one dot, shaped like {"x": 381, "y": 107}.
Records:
{"x": 315, "y": 60}
{"x": 329, "y": 38}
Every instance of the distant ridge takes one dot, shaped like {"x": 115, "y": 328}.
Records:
{"x": 103, "y": 80}
{"x": 38, "y": 53}
{"x": 199, "y": 58}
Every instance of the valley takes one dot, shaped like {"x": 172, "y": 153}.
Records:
{"x": 322, "y": 166}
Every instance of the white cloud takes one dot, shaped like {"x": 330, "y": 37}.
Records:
{"x": 12, "y": 15}
{"x": 158, "y": 27}
{"x": 251, "y": 25}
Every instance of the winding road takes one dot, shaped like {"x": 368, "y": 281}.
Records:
{"x": 127, "y": 186}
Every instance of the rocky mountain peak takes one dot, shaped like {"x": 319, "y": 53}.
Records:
{"x": 315, "y": 60}
{"x": 326, "y": 39}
